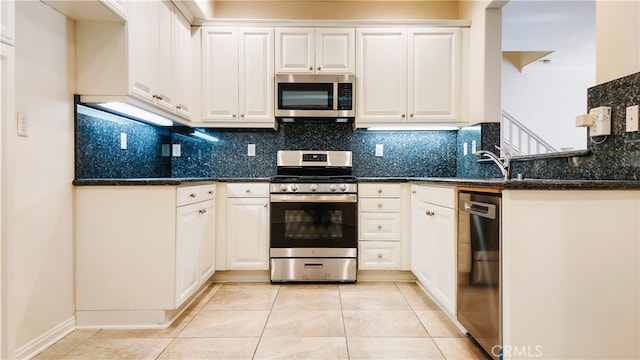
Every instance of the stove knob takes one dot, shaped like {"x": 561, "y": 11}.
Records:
{"x": 283, "y": 187}
{"x": 294, "y": 187}
{"x": 313, "y": 187}
{"x": 333, "y": 187}
{"x": 343, "y": 187}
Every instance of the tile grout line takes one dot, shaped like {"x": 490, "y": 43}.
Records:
{"x": 344, "y": 325}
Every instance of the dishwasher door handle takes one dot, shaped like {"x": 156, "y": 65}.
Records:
{"x": 479, "y": 208}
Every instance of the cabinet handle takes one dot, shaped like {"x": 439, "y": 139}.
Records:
{"x": 410, "y": 115}
{"x": 160, "y": 97}
{"x": 265, "y": 205}
{"x": 379, "y": 256}
{"x": 192, "y": 195}
{"x": 247, "y": 191}
{"x": 210, "y": 192}
{"x": 430, "y": 213}
{"x": 414, "y": 192}
{"x": 154, "y": 96}
{"x": 319, "y": 68}
{"x": 178, "y": 106}
{"x": 379, "y": 191}
{"x": 202, "y": 211}
{"x": 241, "y": 115}
{"x": 403, "y": 115}
{"x": 379, "y": 205}
{"x": 233, "y": 115}
{"x": 310, "y": 67}
{"x": 379, "y": 227}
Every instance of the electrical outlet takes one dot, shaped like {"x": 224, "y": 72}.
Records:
{"x": 473, "y": 146}
{"x": 175, "y": 150}
{"x": 632, "y": 118}
{"x": 123, "y": 141}
{"x": 23, "y": 125}
{"x": 379, "y": 150}
{"x": 464, "y": 149}
{"x": 166, "y": 150}
{"x": 251, "y": 150}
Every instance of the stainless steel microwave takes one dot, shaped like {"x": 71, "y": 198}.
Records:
{"x": 315, "y": 96}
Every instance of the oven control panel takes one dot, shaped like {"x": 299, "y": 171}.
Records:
{"x": 310, "y": 188}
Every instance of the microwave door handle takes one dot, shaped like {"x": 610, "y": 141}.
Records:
{"x": 335, "y": 95}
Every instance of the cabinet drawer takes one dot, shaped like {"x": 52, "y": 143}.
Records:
{"x": 380, "y": 204}
{"x": 379, "y": 255}
{"x": 379, "y": 190}
{"x": 380, "y": 226}
{"x": 444, "y": 196}
{"x": 247, "y": 189}
{"x": 191, "y": 194}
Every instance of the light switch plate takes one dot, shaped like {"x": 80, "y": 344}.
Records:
{"x": 251, "y": 150}
{"x": 23, "y": 124}
{"x": 632, "y": 118}
{"x": 379, "y": 150}
{"x": 175, "y": 150}
{"x": 123, "y": 141}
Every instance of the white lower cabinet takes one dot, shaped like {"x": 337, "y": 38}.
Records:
{"x": 380, "y": 225}
{"x": 247, "y": 236}
{"x": 433, "y": 242}
{"x": 141, "y": 252}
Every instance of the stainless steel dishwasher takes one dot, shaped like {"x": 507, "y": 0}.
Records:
{"x": 479, "y": 271}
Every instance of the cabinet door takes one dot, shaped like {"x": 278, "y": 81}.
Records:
{"x": 207, "y": 250}
{"x": 247, "y": 233}
{"x": 182, "y": 65}
{"x": 164, "y": 55}
{"x": 335, "y": 51}
{"x": 443, "y": 244}
{"x": 256, "y": 83}
{"x": 433, "y": 75}
{"x": 421, "y": 252}
{"x": 191, "y": 225}
{"x": 220, "y": 74}
{"x": 7, "y": 22}
{"x": 142, "y": 27}
{"x": 381, "y": 73}
{"x": 295, "y": 48}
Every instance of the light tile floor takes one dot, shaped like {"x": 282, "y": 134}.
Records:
{"x": 367, "y": 320}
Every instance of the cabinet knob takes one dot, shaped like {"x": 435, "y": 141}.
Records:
{"x": 379, "y": 227}
{"x": 241, "y": 115}
{"x": 379, "y": 205}
{"x": 265, "y": 205}
{"x": 410, "y": 115}
{"x": 192, "y": 195}
{"x": 430, "y": 213}
{"x": 319, "y": 68}
{"x": 379, "y": 256}
{"x": 414, "y": 192}
{"x": 210, "y": 192}
{"x": 233, "y": 115}
{"x": 310, "y": 67}
{"x": 159, "y": 97}
{"x": 202, "y": 211}
{"x": 379, "y": 191}
{"x": 247, "y": 191}
{"x": 178, "y": 106}
{"x": 403, "y": 115}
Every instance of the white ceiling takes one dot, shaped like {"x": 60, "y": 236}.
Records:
{"x": 565, "y": 27}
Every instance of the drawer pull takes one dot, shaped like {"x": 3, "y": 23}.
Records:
{"x": 379, "y": 205}
{"x": 379, "y": 256}
{"x": 210, "y": 192}
{"x": 379, "y": 191}
{"x": 430, "y": 213}
{"x": 379, "y": 227}
{"x": 248, "y": 191}
{"x": 192, "y": 195}
{"x": 202, "y": 211}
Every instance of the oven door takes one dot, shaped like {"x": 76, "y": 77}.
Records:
{"x": 313, "y": 221}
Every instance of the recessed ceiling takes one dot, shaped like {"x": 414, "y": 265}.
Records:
{"x": 567, "y": 28}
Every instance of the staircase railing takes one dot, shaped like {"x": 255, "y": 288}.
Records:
{"x": 517, "y": 139}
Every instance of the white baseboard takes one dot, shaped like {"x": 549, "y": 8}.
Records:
{"x": 37, "y": 345}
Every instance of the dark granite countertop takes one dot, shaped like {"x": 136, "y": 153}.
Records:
{"x": 161, "y": 181}
{"x": 495, "y": 183}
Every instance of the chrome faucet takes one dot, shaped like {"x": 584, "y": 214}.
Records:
{"x": 503, "y": 164}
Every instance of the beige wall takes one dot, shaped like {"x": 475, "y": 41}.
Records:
{"x": 336, "y": 9}
{"x": 41, "y": 278}
{"x": 617, "y": 39}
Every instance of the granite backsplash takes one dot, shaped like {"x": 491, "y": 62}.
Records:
{"x": 406, "y": 153}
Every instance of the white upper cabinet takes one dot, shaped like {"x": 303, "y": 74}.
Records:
{"x": 381, "y": 75}
{"x": 433, "y": 75}
{"x": 237, "y": 68}
{"x": 408, "y": 76}
{"x": 146, "y": 59}
{"x": 315, "y": 51}
{"x": 7, "y": 22}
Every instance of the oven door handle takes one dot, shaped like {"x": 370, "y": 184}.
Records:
{"x": 341, "y": 198}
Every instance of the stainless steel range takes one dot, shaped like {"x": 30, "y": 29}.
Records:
{"x": 314, "y": 228}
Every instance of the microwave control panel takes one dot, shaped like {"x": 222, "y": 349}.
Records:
{"x": 345, "y": 96}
